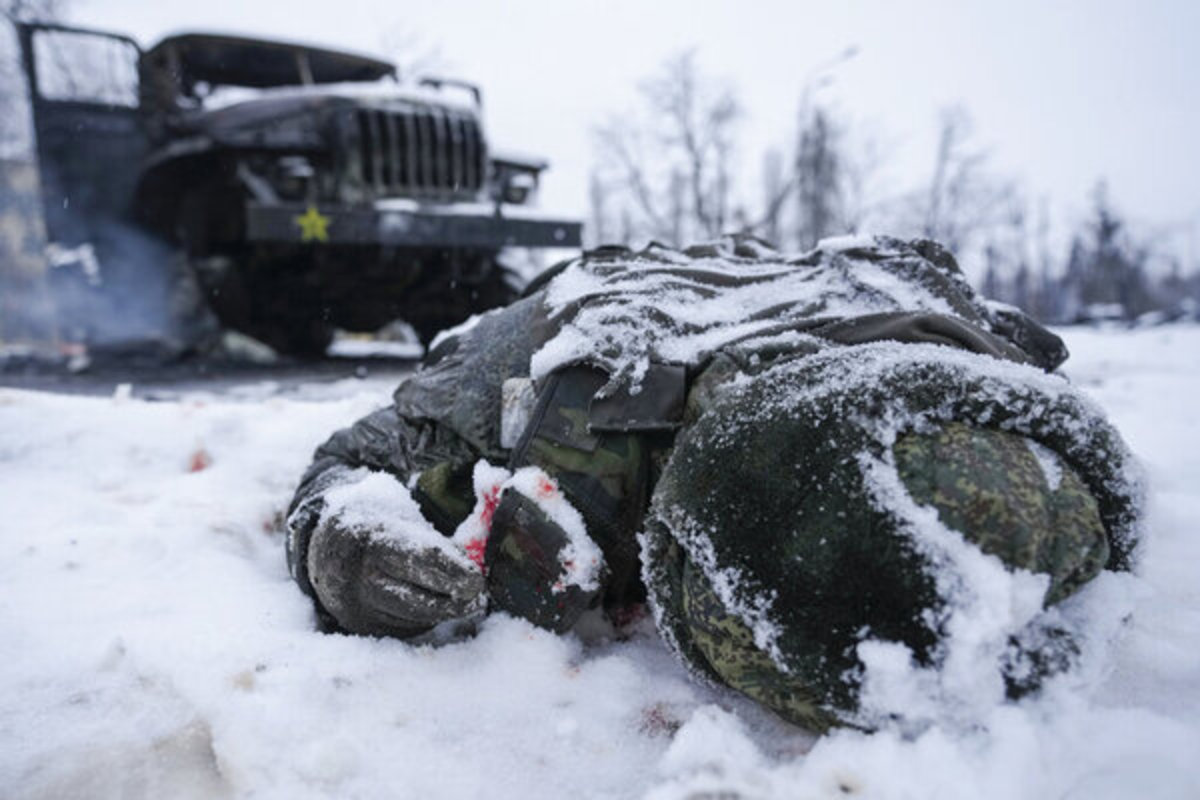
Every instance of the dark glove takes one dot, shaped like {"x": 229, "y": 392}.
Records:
{"x": 373, "y": 584}
{"x": 524, "y": 573}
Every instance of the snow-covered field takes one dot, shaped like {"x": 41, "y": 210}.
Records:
{"x": 152, "y": 644}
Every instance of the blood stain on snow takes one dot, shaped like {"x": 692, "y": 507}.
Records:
{"x": 273, "y": 523}
{"x": 627, "y": 615}
{"x": 490, "y": 501}
{"x": 475, "y": 551}
{"x": 199, "y": 461}
{"x": 659, "y": 720}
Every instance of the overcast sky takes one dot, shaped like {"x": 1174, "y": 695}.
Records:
{"x": 1062, "y": 93}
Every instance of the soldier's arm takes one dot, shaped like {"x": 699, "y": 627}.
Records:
{"x": 365, "y": 444}
{"x": 361, "y": 579}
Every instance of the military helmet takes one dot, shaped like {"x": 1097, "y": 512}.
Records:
{"x": 801, "y": 513}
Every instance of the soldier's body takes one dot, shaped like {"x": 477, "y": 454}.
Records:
{"x": 752, "y": 443}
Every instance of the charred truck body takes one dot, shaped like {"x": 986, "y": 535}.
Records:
{"x": 308, "y": 189}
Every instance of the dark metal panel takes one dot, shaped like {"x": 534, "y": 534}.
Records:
{"x": 470, "y": 148}
{"x": 412, "y": 145}
{"x": 458, "y": 153}
{"x": 386, "y": 153}
{"x": 411, "y": 229}
{"x": 425, "y": 153}
{"x": 442, "y": 155}
{"x": 243, "y": 61}
{"x": 86, "y": 156}
{"x": 480, "y": 160}
{"x": 425, "y": 128}
{"x": 377, "y": 151}
{"x": 366, "y": 145}
{"x": 395, "y": 153}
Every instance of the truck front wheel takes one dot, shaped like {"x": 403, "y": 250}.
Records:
{"x": 446, "y": 305}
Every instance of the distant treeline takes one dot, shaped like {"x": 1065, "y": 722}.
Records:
{"x": 669, "y": 169}
{"x": 1108, "y": 274}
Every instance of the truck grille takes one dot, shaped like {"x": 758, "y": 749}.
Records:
{"x": 429, "y": 152}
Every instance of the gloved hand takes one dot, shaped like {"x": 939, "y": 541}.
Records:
{"x": 374, "y": 584}
{"x": 531, "y": 566}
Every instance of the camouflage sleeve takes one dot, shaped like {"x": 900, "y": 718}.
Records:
{"x": 384, "y": 441}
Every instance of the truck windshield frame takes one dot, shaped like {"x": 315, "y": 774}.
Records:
{"x": 82, "y": 66}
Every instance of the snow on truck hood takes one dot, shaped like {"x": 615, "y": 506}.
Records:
{"x": 382, "y": 92}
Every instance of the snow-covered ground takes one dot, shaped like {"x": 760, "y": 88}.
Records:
{"x": 152, "y": 644}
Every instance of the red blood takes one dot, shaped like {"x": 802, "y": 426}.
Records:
{"x": 200, "y": 460}
{"x": 659, "y": 720}
{"x": 490, "y": 501}
{"x": 627, "y": 615}
{"x": 546, "y": 487}
{"x": 475, "y": 549}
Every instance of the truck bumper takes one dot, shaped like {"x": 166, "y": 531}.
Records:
{"x": 394, "y": 224}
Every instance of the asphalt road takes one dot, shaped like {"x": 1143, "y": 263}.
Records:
{"x": 158, "y": 380}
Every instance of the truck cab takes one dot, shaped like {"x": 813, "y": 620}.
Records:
{"x": 304, "y": 188}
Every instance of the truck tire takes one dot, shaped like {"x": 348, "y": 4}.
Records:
{"x": 429, "y": 316}
{"x": 245, "y": 291}
{"x": 303, "y": 337}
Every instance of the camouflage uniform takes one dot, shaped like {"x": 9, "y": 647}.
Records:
{"x": 746, "y": 459}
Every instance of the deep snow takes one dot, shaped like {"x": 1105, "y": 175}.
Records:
{"x": 153, "y": 644}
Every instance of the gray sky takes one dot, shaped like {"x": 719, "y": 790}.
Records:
{"x": 1062, "y": 93}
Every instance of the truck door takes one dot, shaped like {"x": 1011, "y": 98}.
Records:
{"x": 83, "y": 89}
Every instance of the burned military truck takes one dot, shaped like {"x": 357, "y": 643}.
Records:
{"x": 305, "y": 189}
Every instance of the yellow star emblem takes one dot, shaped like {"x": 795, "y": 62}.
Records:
{"x": 314, "y": 226}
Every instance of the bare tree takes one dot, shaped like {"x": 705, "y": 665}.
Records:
{"x": 819, "y": 180}
{"x": 624, "y": 174}
{"x": 812, "y": 193}
{"x": 1109, "y": 271}
{"x": 963, "y": 199}
{"x": 668, "y": 172}
{"x": 1006, "y": 255}
{"x": 776, "y": 186}
{"x": 1107, "y": 265}
{"x": 862, "y": 195}
{"x": 412, "y": 53}
{"x": 597, "y": 228}
{"x": 828, "y": 186}
{"x": 700, "y": 131}
{"x": 673, "y": 161}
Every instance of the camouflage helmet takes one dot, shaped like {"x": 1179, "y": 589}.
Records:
{"x": 786, "y": 528}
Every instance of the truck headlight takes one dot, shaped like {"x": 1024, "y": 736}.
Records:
{"x": 292, "y": 176}
{"x": 518, "y": 186}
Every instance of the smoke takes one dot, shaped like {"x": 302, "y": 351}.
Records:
{"x": 119, "y": 289}
{"x": 126, "y": 290}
